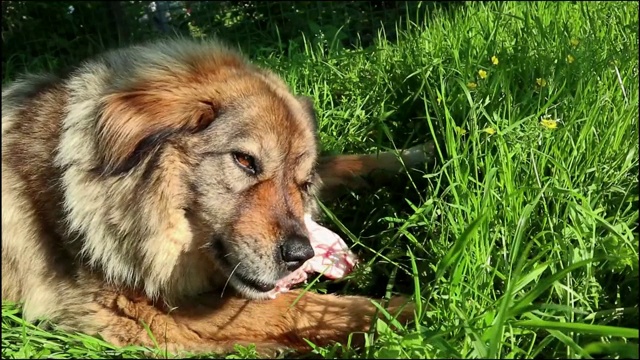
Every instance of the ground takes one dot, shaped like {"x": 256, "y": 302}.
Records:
{"x": 521, "y": 240}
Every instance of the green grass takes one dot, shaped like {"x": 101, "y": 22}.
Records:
{"x": 521, "y": 241}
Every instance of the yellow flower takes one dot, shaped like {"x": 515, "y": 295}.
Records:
{"x": 460, "y": 131}
{"x": 494, "y": 60}
{"x": 482, "y": 74}
{"x": 570, "y": 59}
{"x": 490, "y": 130}
{"x": 548, "y": 122}
{"x": 541, "y": 82}
{"x": 472, "y": 85}
{"x": 574, "y": 42}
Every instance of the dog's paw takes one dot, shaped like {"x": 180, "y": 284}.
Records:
{"x": 418, "y": 154}
{"x": 402, "y": 308}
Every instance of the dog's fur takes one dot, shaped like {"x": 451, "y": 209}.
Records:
{"x": 123, "y": 204}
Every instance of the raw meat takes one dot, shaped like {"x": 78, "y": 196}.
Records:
{"x": 332, "y": 258}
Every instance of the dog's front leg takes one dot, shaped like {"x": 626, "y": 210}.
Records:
{"x": 218, "y": 324}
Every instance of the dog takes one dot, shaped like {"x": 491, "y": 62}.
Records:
{"x": 141, "y": 184}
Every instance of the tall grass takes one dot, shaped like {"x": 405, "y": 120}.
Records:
{"x": 521, "y": 240}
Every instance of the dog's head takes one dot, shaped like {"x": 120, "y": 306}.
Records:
{"x": 253, "y": 186}
{"x": 223, "y": 145}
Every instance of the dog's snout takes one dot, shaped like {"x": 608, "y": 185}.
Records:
{"x": 296, "y": 249}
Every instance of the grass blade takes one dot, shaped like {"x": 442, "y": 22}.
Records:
{"x": 460, "y": 244}
{"x": 545, "y": 284}
{"x": 602, "y": 330}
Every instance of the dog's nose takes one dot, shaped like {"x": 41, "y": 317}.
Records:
{"x": 296, "y": 249}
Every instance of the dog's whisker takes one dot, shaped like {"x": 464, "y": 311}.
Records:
{"x": 209, "y": 245}
{"x": 229, "y": 278}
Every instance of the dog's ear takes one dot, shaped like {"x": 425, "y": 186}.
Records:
{"x": 309, "y": 108}
{"x": 132, "y": 124}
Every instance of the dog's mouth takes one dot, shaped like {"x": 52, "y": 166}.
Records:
{"x": 257, "y": 285}
{"x": 236, "y": 276}
{"x": 332, "y": 258}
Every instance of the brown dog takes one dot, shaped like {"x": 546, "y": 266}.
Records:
{"x": 137, "y": 185}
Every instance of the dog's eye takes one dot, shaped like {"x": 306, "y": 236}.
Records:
{"x": 306, "y": 186}
{"x": 246, "y": 162}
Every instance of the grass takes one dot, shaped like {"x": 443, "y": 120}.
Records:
{"x": 521, "y": 241}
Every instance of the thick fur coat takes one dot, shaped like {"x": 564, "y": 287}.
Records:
{"x": 154, "y": 185}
